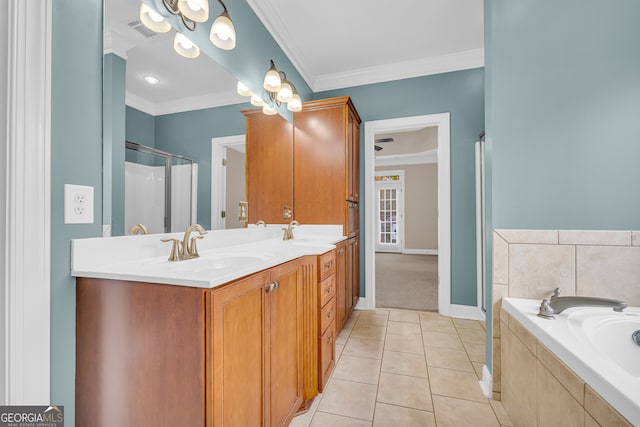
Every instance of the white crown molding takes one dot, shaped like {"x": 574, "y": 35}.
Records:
{"x": 113, "y": 43}
{"x": 425, "y": 157}
{"x": 270, "y": 18}
{"x": 182, "y": 105}
{"x": 401, "y": 70}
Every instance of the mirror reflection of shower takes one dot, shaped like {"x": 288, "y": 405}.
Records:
{"x": 160, "y": 190}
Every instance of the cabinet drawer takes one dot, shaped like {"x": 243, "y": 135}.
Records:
{"x": 327, "y": 350}
{"x": 327, "y": 315}
{"x": 327, "y": 265}
{"x": 327, "y": 290}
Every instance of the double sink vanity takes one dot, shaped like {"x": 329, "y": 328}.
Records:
{"x": 242, "y": 335}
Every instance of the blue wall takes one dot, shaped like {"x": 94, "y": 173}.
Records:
{"x": 76, "y": 158}
{"x": 190, "y": 133}
{"x": 462, "y": 94}
{"x": 140, "y": 127}
{"x": 562, "y": 108}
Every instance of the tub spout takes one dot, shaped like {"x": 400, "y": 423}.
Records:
{"x": 557, "y": 304}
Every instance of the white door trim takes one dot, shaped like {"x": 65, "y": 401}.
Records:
{"x": 219, "y": 177}
{"x": 371, "y": 128}
{"x": 25, "y": 209}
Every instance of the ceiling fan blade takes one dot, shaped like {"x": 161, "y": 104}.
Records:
{"x": 377, "y": 147}
{"x": 384, "y": 140}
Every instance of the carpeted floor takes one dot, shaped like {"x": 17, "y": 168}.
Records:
{"x": 407, "y": 281}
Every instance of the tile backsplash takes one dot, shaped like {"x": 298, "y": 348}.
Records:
{"x": 532, "y": 263}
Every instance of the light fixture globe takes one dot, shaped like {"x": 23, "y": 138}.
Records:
{"x": 185, "y": 47}
{"x": 153, "y": 20}
{"x": 272, "y": 80}
{"x": 285, "y": 94}
{"x": 243, "y": 90}
{"x": 295, "y": 104}
{"x": 256, "y": 100}
{"x": 268, "y": 110}
{"x": 195, "y": 10}
{"x": 223, "y": 33}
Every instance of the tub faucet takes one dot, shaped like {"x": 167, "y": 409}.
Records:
{"x": 288, "y": 232}
{"x": 557, "y": 304}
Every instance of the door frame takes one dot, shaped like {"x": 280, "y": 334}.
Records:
{"x": 400, "y": 207}
{"x": 371, "y": 128}
{"x": 219, "y": 177}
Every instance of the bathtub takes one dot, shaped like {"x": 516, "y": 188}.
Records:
{"x": 596, "y": 344}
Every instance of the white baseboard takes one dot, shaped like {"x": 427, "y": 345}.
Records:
{"x": 420, "y": 251}
{"x": 363, "y": 304}
{"x": 466, "y": 312}
{"x": 486, "y": 385}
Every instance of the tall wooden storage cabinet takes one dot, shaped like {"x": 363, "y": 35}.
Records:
{"x": 326, "y": 163}
{"x": 269, "y": 149}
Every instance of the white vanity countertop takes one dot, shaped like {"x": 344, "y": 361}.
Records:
{"x": 225, "y": 255}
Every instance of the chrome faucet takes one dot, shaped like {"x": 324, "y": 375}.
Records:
{"x": 557, "y": 304}
{"x": 288, "y": 232}
{"x": 186, "y": 249}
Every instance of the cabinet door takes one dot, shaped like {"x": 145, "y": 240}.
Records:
{"x": 354, "y": 158}
{"x": 269, "y": 150}
{"x": 355, "y": 293}
{"x": 341, "y": 284}
{"x": 283, "y": 327}
{"x": 237, "y": 316}
{"x": 350, "y": 276}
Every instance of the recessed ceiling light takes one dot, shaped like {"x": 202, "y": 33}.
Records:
{"x": 151, "y": 80}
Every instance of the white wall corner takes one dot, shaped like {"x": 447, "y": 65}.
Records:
{"x": 470, "y": 312}
{"x": 486, "y": 384}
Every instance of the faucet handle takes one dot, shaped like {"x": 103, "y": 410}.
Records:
{"x": 175, "y": 249}
{"x": 556, "y": 293}
{"x": 193, "y": 249}
{"x": 546, "y": 311}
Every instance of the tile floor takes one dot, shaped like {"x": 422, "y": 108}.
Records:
{"x": 404, "y": 368}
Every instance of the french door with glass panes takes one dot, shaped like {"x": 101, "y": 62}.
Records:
{"x": 390, "y": 216}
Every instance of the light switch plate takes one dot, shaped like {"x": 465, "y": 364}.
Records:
{"x": 78, "y": 204}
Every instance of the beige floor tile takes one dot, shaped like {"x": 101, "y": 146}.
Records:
{"x": 303, "y": 420}
{"x": 448, "y": 358}
{"x": 404, "y": 316}
{"x": 339, "y": 350}
{"x": 403, "y": 328}
{"x": 404, "y": 344}
{"x": 438, "y": 324}
{"x": 350, "y": 323}
{"x": 404, "y": 364}
{"x": 343, "y": 336}
{"x": 323, "y": 419}
{"x": 396, "y": 416}
{"x": 467, "y": 324}
{"x": 476, "y": 336}
{"x": 477, "y": 366}
{"x": 501, "y": 414}
{"x": 372, "y": 332}
{"x": 372, "y": 318}
{"x": 476, "y": 351}
{"x": 360, "y": 369}
{"x": 439, "y": 339}
{"x": 452, "y": 412}
{"x": 405, "y": 391}
{"x": 462, "y": 385}
{"x": 363, "y": 347}
{"x": 429, "y": 314}
{"x": 350, "y": 399}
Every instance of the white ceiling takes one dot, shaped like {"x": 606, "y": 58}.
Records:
{"x": 333, "y": 44}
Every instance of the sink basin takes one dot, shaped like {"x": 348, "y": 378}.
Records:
{"x": 208, "y": 262}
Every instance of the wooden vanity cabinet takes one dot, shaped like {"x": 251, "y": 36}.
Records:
{"x": 326, "y": 161}
{"x": 327, "y": 315}
{"x": 269, "y": 167}
{"x": 150, "y": 354}
{"x": 342, "y": 313}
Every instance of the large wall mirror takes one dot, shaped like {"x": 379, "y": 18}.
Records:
{"x": 160, "y": 100}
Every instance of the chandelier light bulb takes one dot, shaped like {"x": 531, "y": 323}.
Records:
{"x": 153, "y": 20}
{"x": 268, "y": 110}
{"x": 195, "y": 10}
{"x": 256, "y": 100}
{"x": 285, "y": 94}
{"x": 243, "y": 90}
{"x": 185, "y": 47}
{"x": 272, "y": 80}
{"x": 223, "y": 33}
{"x": 295, "y": 104}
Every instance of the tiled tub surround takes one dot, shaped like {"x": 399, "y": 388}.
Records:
{"x": 531, "y": 263}
{"x": 554, "y": 374}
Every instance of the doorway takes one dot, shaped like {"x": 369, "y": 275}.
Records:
{"x": 373, "y": 128}
{"x": 228, "y": 188}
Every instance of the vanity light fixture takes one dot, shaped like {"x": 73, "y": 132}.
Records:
{"x": 268, "y": 110}
{"x": 185, "y": 47}
{"x": 153, "y": 20}
{"x": 191, "y": 12}
{"x": 256, "y": 100}
{"x": 243, "y": 90}
{"x": 151, "y": 80}
{"x": 223, "y": 33}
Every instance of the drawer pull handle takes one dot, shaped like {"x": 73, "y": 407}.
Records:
{"x": 329, "y": 290}
{"x": 329, "y": 314}
{"x": 330, "y": 339}
{"x": 340, "y": 251}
